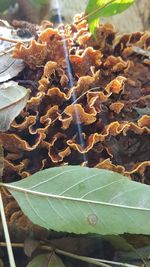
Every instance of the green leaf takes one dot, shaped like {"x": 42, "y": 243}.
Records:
{"x": 84, "y": 200}
{"x": 13, "y": 99}
{"x": 105, "y": 8}
{"x": 48, "y": 260}
{"x": 93, "y": 25}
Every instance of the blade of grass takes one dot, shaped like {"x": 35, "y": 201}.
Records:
{"x": 6, "y": 233}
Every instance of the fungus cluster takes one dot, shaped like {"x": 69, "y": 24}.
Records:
{"x": 89, "y": 104}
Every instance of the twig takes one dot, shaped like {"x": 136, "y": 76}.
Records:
{"x": 61, "y": 252}
{"x": 15, "y": 245}
{"x": 6, "y": 233}
{"x": 9, "y": 40}
{"x": 15, "y": 40}
{"x": 98, "y": 262}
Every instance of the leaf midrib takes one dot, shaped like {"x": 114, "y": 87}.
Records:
{"x": 53, "y": 196}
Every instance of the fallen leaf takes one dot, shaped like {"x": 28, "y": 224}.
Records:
{"x": 9, "y": 67}
{"x": 84, "y": 200}
{"x": 13, "y": 99}
{"x": 30, "y": 245}
{"x": 48, "y": 260}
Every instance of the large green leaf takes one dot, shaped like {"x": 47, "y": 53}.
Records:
{"x": 84, "y": 200}
{"x": 105, "y": 8}
{"x": 13, "y": 99}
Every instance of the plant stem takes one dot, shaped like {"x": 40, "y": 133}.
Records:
{"x": 15, "y": 245}
{"x": 6, "y": 233}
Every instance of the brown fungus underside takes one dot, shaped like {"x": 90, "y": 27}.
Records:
{"x": 89, "y": 105}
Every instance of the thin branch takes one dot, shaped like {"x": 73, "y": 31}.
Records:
{"x": 61, "y": 252}
{"x": 9, "y": 40}
{"x": 15, "y": 245}
{"x": 98, "y": 262}
{"x": 15, "y": 41}
{"x": 6, "y": 233}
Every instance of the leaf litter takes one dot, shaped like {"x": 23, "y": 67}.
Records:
{"x": 13, "y": 98}
{"x": 48, "y": 260}
{"x": 98, "y": 104}
{"x": 10, "y": 67}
